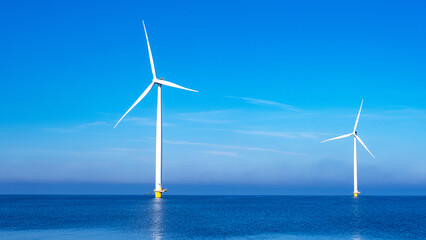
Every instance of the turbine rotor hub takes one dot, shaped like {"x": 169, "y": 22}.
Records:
{"x": 158, "y": 81}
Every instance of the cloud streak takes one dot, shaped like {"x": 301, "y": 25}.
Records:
{"x": 263, "y": 102}
{"x": 142, "y": 121}
{"x": 211, "y": 117}
{"x": 397, "y": 113}
{"x": 222, "y": 153}
{"x": 284, "y": 134}
{"x": 77, "y": 127}
{"x": 273, "y": 133}
{"x": 232, "y": 147}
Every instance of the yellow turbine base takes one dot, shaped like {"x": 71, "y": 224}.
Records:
{"x": 356, "y": 194}
{"x": 158, "y": 194}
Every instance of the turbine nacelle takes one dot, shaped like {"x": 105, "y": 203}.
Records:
{"x": 157, "y": 81}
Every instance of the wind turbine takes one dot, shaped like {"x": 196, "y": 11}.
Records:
{"x": 159, "y": 138}
{"x": 356, "y": 137}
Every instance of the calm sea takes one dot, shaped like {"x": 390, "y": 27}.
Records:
{"x": 211, "y": 217}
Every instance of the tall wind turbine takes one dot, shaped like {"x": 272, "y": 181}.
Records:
{"x": 159, "y": 138}
{"x": 356, "y": 137}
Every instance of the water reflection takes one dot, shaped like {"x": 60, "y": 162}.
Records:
{"x": 157, "y": 227}
{"x": 356, "y": 237}
{"x": 356, "y": 219}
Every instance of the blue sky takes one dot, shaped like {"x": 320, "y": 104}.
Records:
{"x": 275, "y": 78}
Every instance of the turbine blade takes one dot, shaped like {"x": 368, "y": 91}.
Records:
{"x": 149, "y": 50}
{"x": 359, "y": 113}
{"x": 170, "y": 84}
{"x": 137, "y": 101}
{"x": 359, "y": 139}
{"x": 343, "y": 136}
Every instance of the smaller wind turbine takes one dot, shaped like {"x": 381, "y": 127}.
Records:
{"x": 355, "y": 135}
{"x": 159, "y": 138}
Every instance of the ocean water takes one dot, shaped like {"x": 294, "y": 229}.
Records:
{"x": 59, "y": 217}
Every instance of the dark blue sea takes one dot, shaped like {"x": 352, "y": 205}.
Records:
{"x": 74, "y": 217}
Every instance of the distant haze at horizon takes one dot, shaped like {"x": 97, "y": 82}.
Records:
{"x": 275, "y": 79}
{"x": 207, "y": 189}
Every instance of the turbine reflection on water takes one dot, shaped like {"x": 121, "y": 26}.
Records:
{"x": 157, "y": 218}
{"x": 356, "y": 215}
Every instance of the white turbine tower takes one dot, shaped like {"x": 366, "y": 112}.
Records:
{"x": 159, "y": 138}
{"x": 355, "y": 135}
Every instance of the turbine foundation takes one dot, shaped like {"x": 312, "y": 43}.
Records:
{"x": 356, "y": 194}
{"x": 159, "y": 193}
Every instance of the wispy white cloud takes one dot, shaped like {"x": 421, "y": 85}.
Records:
{"x": 284, "y": 134}
{"x": 222, "y": 153}
{"x": 397, "y": 113}
{"x": 117, "y": 149}
{"x": 301, "y": 134}
{"x": 232, "y": 147}
{"x": 213, "y": 117}
{"x": 144, "y": 121}
{"x": 77, "y": 127}
{"x": 78, "y": 154}
{"x": 91, "y": 124}
{"x": 263, "y": 102}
